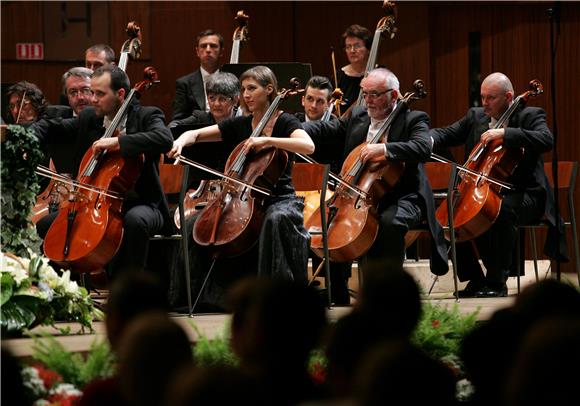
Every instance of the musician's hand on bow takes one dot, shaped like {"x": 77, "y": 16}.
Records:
{"x": 373, "y": 153}
{"x": 493, "y": 134}
{"x": 187, "y": 138}
{"x": 256, "y": 144}
{"x": 110, "y": 144}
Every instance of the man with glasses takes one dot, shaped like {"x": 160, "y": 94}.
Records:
{"x": 410, "y": 201}
{"x": 76, "y": 84}
{"x": 190, "y": 89}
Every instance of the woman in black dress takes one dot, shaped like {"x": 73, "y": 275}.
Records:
{"x": 283, "y": 244}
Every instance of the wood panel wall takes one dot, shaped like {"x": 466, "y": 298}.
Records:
{"x": 431, "y": 43}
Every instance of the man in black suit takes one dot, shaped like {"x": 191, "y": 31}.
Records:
{"x": 527, "y": 129}
{"x": 142, "y": 132}
{"x": 411, "y": 199}
{"x": 190, "y": 89}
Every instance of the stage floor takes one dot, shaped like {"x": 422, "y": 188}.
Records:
{"x": 215, "y": 325}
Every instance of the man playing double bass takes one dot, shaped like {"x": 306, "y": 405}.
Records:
{"x": 407, "y": 140}
{"x": 529, "y": 200}
{"x": 143, "y": 132}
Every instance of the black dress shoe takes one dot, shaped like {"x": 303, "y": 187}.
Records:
{"x": 492, "y": 291}
{"x": 471, "y": 289}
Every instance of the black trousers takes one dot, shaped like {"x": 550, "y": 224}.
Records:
{"x": 139, "y": 224}
{"x": 396, "y": 217}
{"x": 496, "y": 247}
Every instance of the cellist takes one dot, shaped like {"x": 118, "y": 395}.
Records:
{"x": 411, "y": 200}
{"x": 143, "y": 132}
{"x": 283, "y": 243}
{"x": 529, "y": 200}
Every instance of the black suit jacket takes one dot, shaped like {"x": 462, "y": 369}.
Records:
{"x": 189, "y": 95}
{"x": 146, "y": 134}
{"x": 527, "y": 128}
{"x": 408, "y": 142}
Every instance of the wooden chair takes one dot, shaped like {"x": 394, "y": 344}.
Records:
{"x": 567, "y": 171}
{"x": 308, "y": 177}
{"x": 443, "y": 178}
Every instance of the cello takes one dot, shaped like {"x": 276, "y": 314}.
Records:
{"x": 351, "y": 211}
{"x": 230, "y": 225}
{"x": 88, "y": 229}
{"x": 197, "y": 199}
{"x": 57, "y": 190}
{"x": 482, "y": 178}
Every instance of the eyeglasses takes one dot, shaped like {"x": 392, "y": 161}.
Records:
{"x": 374, "y": 95}
{"x": 353, "y": 47}
{"x": 85, "y": 91}
{"x": 17, "y": 105}
{"x": 218, "y": 99}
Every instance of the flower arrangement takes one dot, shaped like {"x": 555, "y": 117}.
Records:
{"x": 32, "y": 294}
{"x": 46, "y": 387}
{"x": 56, "y": 374}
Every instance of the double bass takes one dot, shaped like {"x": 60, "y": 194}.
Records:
{"x": 483, "y": 177}
{"x": 230, "y": 225}
{"x": 385, "y": 27}
{"x": 88, "y": 229}
{"x": 352, "y": 210}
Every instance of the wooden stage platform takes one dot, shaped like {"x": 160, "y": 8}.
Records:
{"x": 214, "y": 325}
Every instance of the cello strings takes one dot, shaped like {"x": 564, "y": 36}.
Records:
{"x": 335, "y": 177}
{"x": 441, "y": 159}
{"x": 187, "y": 161}
{"x": 47, "y": 173}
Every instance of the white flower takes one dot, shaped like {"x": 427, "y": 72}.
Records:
{"x": 18, "y": 270}
{"x": 48, "y": 275}
{"x": 32, "y": 381}
{"x": 66, "y": 389}
{"x": 70, "y": 287}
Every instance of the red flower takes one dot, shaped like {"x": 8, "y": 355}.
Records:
{"x": 63, "y": 400}
{"x": 318, "y": 373}
{"x": 435, "y": 323}
{"x": 49, "y": 378}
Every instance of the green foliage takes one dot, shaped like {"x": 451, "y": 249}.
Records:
{"x": 73, "y": 367}
{"x": 215, "y": 351}
{"x": 32, "y": 293}
{"x": 441, "y": 330}
{"x": 20, "y": 156}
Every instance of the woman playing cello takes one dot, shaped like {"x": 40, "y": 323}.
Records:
{"x": 283, "y": 241}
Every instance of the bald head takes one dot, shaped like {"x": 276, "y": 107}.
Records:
{"x": 500, "y": 80}
{"x": 497, "y": 93}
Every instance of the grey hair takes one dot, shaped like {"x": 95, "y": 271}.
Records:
{"x": 79, "y": 72}
{"x": 223, "y": 83}
{"x": 500, "y": 79}
{"x": 391, "y": 81}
